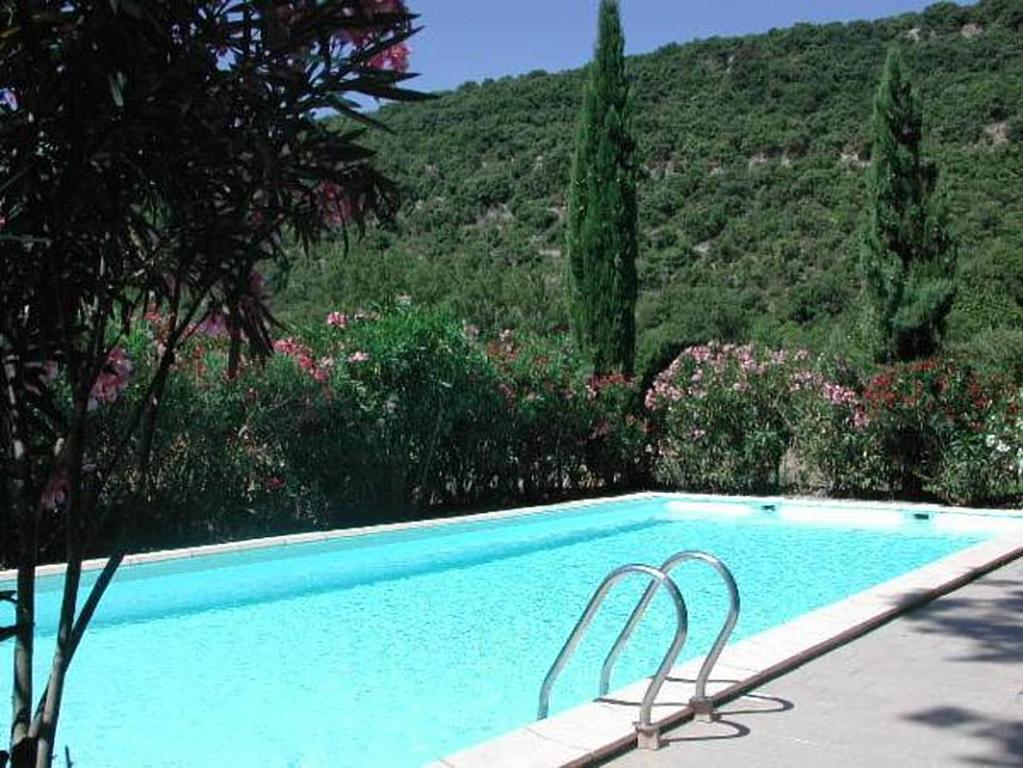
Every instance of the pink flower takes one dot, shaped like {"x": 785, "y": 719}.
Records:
{"x": 292, "y": 348}
{"x": 394, "y": 58}
{"x": 860, "y": 418}
{"x": 358, "y": 357}
{"x": 836, "y": 394}
{"x": 56, "y": 490}
{"x": 112, "y": 379}
{"x": 336, "y": 205}
{"x": 214, "y": 325}
{"x": 337, "y": 319}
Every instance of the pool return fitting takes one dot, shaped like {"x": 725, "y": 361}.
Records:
{"x": 647, "y": 734}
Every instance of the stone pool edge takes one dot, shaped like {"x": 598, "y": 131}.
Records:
{"x": 267, "y": 542}
{"x": 591, "y": 733}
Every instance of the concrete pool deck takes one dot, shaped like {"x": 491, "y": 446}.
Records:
{"x": 939, "y": 686}
{"x": 592, "y": 733}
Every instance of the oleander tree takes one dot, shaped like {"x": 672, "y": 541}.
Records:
{"x": 152, "y": 154}
{"x": 602, "y": 224}
{"x": 908, "y": 257}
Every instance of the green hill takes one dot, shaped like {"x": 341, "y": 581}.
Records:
{"x": 753, "y": 149}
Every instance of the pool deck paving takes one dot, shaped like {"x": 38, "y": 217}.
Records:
{"x": 941, "y": 685}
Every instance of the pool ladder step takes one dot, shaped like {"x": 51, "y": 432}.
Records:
{"x": 647, "y": 734}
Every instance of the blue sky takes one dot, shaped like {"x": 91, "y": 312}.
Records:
{"x": 475, "y": 39}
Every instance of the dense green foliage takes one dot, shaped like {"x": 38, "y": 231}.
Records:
{"x": 908, "y": 260}
{"x": 602, "y": 238}
{"x": 747, "y": 419}
{"x": 407, "y": 414}
{"x": 374, "y": 419}
{"x": 753, "y": 154}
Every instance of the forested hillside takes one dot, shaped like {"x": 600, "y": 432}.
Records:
{"x": 753, "y": 151}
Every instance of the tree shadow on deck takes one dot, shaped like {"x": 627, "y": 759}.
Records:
{"x": 989, "y": 618}
{"x": 995, "y": 741}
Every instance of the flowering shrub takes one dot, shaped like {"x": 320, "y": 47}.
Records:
{"x": 832, "y": 437}
{"x": 380, "y": 417}
{"x": 912, "y": 430}
{"x": 727, "y": 415}
{"x": 933, "y": 420}
{"x": 384, "y": 416}
{"x": 563, "y": 429}
{"x": 720, "y": 414}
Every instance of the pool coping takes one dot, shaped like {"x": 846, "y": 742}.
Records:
{"x": 267, "y": 542}
{"x": 591, "y": 733}
{"x": 291, "y": 539}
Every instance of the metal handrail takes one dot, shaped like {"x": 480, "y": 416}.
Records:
{"x": 682, "y": 626}
{"x": 699, "y": 700}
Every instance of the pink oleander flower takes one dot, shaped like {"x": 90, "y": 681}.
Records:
{"x": 337, "y": 320}
{"x": 358, "y": 357}
{"x": 336, "y": 205}
{"x": 394, "y": 59}
{"x": 292, "y": 348}
{"x": 801, "y": 380}
{"x": 860, "y": 418}
{"x": 112, "y": 379}
{"x": 836, "y": 394}
{"x": 56, "y": 490}
{"x": 214, "y": 325}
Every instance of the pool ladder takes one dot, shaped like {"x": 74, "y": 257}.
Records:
{"x": 647, "y": 734}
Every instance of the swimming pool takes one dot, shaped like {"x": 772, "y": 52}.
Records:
{"x": 395, "y": 648}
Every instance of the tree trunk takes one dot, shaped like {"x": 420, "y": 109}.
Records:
{"x": 25, "y": 519}
{"x": 234, "y": 352}
{"x": 74, "y": 517}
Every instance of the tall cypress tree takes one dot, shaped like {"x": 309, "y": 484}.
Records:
{"x": 908, "y": 258}
{"x": 602, "y": 240}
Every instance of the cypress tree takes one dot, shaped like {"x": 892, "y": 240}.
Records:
{"x": 908, "y": 257}
{"x": 602, "y": 240}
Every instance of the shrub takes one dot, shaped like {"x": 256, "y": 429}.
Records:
{"x": 833, "y": 436}
{"x": 720, "y": 415}
{"x": 931, "y": 419}
{"x": 371, "y": 417}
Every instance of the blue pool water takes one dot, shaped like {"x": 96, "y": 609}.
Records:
{"x": 395, "y": 649}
